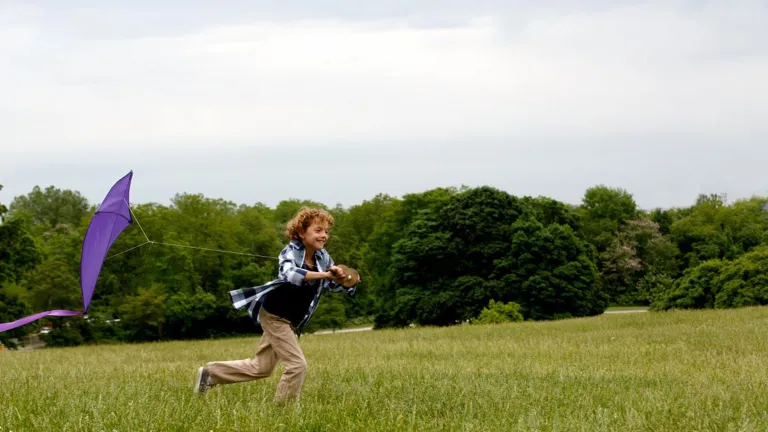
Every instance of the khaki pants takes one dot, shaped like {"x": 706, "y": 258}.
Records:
{"x": 279, "y": 342}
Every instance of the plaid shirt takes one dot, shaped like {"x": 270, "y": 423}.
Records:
{"x": 290, "y": 272}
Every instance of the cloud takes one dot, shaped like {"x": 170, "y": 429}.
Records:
{"x": 620, "y": 71}
{"x": 560, "y": 97}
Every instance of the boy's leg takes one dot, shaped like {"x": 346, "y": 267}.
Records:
{"x": 260, "y": 366}
{"x": 286, "y": 346}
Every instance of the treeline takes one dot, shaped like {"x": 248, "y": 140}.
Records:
{"x": 440, "y": 257}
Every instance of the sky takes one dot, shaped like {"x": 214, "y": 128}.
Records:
{"x": 337, "y": 101}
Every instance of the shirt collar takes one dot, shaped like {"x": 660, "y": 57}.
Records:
{"x": 299, "y": 245}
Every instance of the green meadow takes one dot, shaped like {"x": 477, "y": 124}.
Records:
{"x": 656, "y": 371}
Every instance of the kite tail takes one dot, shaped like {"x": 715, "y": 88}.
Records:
{"x": 22, "y": 321}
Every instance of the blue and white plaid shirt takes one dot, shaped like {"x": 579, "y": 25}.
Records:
{"x": 290, "y": 272}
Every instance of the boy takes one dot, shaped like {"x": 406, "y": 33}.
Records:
{"x": 283, "y": 307}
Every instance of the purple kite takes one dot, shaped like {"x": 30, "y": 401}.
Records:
{"x": 110, "y": 219}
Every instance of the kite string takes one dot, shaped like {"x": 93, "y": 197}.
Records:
{"x": 213, "y": 250}
{"x": 150, "y": 242}
{"x": 179, "y": 245}
{"x": 128, "y": 250}
{"x": 137, "y": 220}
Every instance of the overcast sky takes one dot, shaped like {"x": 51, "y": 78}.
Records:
{"x": 333, "y": 101}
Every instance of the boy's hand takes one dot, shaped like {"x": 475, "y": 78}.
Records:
{"x": 344, "y": 275}
{"x": 336, "y": 272}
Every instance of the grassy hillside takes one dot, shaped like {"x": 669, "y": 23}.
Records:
{"x": 689, "y": 370}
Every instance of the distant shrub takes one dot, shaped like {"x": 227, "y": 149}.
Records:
{"x": 498, "y": 312}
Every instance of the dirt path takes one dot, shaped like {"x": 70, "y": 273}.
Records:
{"x": 348, "y": 330}
{"x": 359, "y": 329}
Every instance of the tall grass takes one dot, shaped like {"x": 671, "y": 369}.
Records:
{"x": 686, "y": 370}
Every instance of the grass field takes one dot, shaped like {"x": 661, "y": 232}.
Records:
{"x": 681, "y": 371}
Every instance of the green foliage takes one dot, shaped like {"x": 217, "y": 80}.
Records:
{"x": 483, "y": 244}
{"x": 71, "y": 331}
{"x": 286, "y": 209}
{"x": 458, "y": 238}
{"x": 694, "y": 290}
{"x": 713, "y": 230}
{"x": 638, "y": 249}
{"x": 54, "y": 285}
{"x": 3, "y": 208}
{"x": 11, "y": 309}
{"x": 652, "y": 287}
{"x": 438, "y": 257}
{"x": 604, "y": 210}
{"x": 143, "y": 314}
{"x": 548, "y": 271}
{"x": 380, "y": 260}
{"x": 186, "y": 312}
{"x": 50, "y": 207}
{"x": 549, "y": 211}
{"x": 351, "y": 237}
{"x": 744, "y": 282}
{"x": 330, "y": 314}
{"x": 19, "y": 252}
{"x": 720, "y": 284}
{"x": 498, "y": 312}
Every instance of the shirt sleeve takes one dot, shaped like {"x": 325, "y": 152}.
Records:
{"x": 288, "y": 270}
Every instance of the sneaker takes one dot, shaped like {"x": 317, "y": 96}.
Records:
{"x": 203, "y": 381}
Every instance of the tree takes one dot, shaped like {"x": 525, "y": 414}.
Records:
{"x": 718, "y": 283}
{"x": 665, "y": 218}
{"x": 143, "y": 314}
{"x": 440, "y": 265}
{"x": 287, "y": 209}
{"x": 638, "y": 249}
{"x": 11, "y": 309}
{"x": 54, "y": 285}
{"x": 187, "y": 311}
{"x": 548, "y": 271}
{"x": 478, "y": 246}
{"x": 744, "y": 282}
{"x": 50, "y": 207}
{"x": 330, "y": 314}
{"x": 714, "y": 230}
{"x": 604, "y": 210}
{"x": 19, "y": 252}
{"x": 549, "y": 211}
{"x": 349, "y": 244}
{"x": 3, "y": 209}
{"x": 437, "y": 257}
{"x": 378, "y": 255}
{"x": 478, "y": 222}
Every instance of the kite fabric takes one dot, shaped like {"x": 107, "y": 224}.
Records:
{"x": 110, "y": 219}
{"x": 20, "y": 322}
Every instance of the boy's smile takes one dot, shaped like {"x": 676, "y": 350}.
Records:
{"x": 315, "y": 236}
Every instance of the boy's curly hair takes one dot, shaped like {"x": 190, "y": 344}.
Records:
{"x": 304, "y": 218}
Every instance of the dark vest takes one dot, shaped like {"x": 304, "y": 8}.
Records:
{"x": 291, "y": 301}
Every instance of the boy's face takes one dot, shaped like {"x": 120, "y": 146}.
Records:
{"x": 316, "y": 235}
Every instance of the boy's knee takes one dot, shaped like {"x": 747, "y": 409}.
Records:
{"x": 298, "y": 367}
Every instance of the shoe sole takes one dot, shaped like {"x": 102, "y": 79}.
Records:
{"x": 198, "y": 380}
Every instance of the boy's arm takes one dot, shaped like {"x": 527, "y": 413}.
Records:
{"x": 295, "y": 275}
